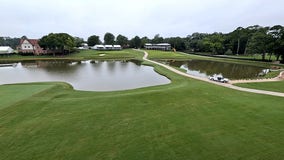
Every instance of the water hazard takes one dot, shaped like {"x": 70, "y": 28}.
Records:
{"x": 204, "y": 68}
{"x": 84, "y": 75}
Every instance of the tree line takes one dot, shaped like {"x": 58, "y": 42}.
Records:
{"x": 242, "y": 41}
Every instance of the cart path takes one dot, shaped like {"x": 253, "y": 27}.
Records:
{"x": 228, "y": 85}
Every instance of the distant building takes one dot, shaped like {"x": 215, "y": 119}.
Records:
{"x": 6, "y": 50}
{"x": 106, "y": 47}
{"x": 98, "y": 47}
{"x": 159, "y": 46}
{"x": 30, "y": 46}
{"x": 117, "y": 47}
{"x": 84, "y": 46}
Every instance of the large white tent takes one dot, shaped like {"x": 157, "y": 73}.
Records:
{"x": 6, "y": 50}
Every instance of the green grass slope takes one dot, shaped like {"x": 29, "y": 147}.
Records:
{"x": 11, "y": 94}
{"x": 186, "y": 119}
{"x": 268, "y": 86}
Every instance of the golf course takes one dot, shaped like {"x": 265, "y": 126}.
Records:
{"x": 186, "y": 119}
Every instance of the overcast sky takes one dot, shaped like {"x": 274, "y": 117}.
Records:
{"x": 82, "y": 18}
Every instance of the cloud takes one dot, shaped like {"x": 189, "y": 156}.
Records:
{"x": 36, "y": 18}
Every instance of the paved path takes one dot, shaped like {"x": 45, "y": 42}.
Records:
{"x": 209, "y": 81}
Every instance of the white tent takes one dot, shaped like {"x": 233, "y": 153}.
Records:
{"x": 117, "y": 47}
{"x": 98, "y": 47}
{"x": 6, "y": 50}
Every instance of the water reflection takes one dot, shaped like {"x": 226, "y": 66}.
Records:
{"x": 203, "y": 68}
{"x": 85, "y": 75}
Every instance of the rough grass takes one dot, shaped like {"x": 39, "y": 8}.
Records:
{"x": 269, "y": 86}
{"x": 186, "y": 119}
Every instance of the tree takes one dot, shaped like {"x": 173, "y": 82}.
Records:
{"x": 195, "y": 42}
{"x": 58, "y": 43}
{"x": 144, "y": 40}
{"x": 157, "y": 39}
{"x": 237, "y": 40}
{"x": 176, "y": 42}
{"x": 277, "y": 40}
{"x": 78, "y": 41}
{"x": 122, "y": 40}
{"x": 259, "y": 42}
{"x": 135, "y": 42}
{"x": 93, "y": 40}
{"x": 215, "y": 43}
{"x": 109, "y": 38}
{"x": 8, "y": 41}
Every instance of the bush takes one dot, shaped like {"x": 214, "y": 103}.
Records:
{"x": 229, "y": 52}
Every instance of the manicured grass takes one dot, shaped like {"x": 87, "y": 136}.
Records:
{"x": 92, "y": 54}
{"x": 187, "y": 119}
{"x": 80, "y": 55}
{"x": 155, "y": 54}
{"x": 11, "y": 94}
{"x": 269, "y": 86}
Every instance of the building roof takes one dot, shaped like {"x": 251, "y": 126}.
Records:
{"x": 158, "y": 44}
{"x": 99, "y": 45}
{"x": 4, "y": 48}
{"x": 163, "y": 44}
{"x": 31, "y": 41}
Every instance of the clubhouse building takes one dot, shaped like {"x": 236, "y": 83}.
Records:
{"x": 159, "y": 46}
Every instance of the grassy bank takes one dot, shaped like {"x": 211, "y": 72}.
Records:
{"x": 161, "y": 55}
{"x": 268, "y": 86}
{"x": 187, "y": 119}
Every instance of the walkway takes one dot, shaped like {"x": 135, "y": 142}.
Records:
{"x": 209, "y": 81}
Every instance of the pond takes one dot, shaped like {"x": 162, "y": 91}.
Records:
{"x": 205, "y": 68}
{"x": 84, "y": 75}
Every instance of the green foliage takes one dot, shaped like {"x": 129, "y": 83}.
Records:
{"x": 176, "y": 42}
{"x": 157, "y": 39}
{"x": 229, "y": 52}
{"x": 78, "y": 41}
{"x": 215, "y": 43}
{"x": 58, "y": 42}
{"x": 135, "y": 42}
{"x": 145, "y": 40}
{"x": 8, "y": 41}
{"x": 122, "y": 40}
{"x": 109, "y": 39}
{"x": 259, "y": 42}
{"x": 93, "y": 40}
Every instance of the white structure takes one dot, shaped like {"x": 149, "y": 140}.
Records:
{"x": 98, "y": 47}
{"x": 159, "y": 46}
{"x": 6, "y": 50}
{"x": 107, "y": 47}
{"x": 117, "y": 47}
{"x": 84, "y": 46}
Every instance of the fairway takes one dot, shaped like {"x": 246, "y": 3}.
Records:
{"x": 268, "y": 86}
{"x": 186, "y": 119}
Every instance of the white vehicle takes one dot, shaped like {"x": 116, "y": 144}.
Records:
{"x": 219, "y": 78}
